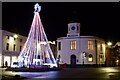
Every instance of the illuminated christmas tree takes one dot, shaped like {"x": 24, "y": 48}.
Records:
{"x": 36, "y": 51}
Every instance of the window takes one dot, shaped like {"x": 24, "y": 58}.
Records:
{"x": 90, "y": 45}
{"x": 69, "y": 29}
{"x": 7, "y": 46}
{"x": 14, "y": 60}
{"x": 6, "y": 60}
{"x": 90, "y": 57}
{"x": 77, "y": 28}
{"x": 59, "y": 45}
{"x": 101, "y": 47}
{"x": 101, "y": 58}
{"x": 7, "y": 37}
{"x": 20, "y": 40}
{"x": 72, "y": 45}
{"x": 14, "y": 47}
{"x": 14, "y": 38}
{"x": 20, "y": 48}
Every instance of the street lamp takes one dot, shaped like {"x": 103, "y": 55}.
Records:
{"x": 108, "y": 60}
{"x": 117, "y": 62}
{"x": 109, "y": 43}
{"x": 15, "y": 36}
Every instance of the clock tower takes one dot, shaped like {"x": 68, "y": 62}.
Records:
{"x": 73, "y": 29}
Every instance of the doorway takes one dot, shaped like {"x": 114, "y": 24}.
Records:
{"x": 73, "y": 59}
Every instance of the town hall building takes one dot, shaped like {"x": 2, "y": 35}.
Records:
{"x": 77, "y": 49}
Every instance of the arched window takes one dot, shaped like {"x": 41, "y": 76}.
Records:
{"x": 90, "y": 57}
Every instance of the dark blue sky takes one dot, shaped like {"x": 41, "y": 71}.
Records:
{"x": 97, "y": 19}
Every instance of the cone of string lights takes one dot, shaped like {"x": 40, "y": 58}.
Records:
{"x": 36, "y": 51}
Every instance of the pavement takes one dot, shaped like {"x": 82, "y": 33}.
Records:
{"x": 84, "y": 73}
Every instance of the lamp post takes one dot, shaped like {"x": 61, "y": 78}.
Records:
{"x": 109, "y": 54}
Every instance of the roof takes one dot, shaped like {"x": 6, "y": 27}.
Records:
{"x": 94, "y": 37}
{"x": 118, "y": 43}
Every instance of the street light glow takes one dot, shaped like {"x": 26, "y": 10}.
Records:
{"x": 109, "y": 43}
{"x": 117, "y": 61}
{"x": 15, "y": 36}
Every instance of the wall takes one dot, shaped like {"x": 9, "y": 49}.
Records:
{"x": 82, "y": 46}
{"x": 7, "y": 55}
{"x": 0, "y": 47}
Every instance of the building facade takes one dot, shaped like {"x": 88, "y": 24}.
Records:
{"x": 76, "y": 49}
{"x": 113, "y": 55}
{"x": 11, "y": 44}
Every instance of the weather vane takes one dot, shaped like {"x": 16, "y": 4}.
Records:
{"x": 37, "y": 7}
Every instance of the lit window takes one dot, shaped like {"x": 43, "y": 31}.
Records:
{"x": 101, "y": 58}
{"x": 7, "y": 46}
{"x": 20, "y": 48}
{"x": 14, "y": 47}
{"x": 90, "y": 45}
{"x": 6, "y": 60}
{"x": 11, "y": 39}
{"x": 14, "y": 59}
{"x": 59, "y": 45}
{"x": 90, "y": 57}
{"x": 72, "y": 45}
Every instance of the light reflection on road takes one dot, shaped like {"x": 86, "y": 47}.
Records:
{"x": 102, "y": 72}
{"x": 50, "y": 74}
{"x": 105, "y": 69}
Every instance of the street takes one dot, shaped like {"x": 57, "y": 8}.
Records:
{"x": 85, "y": 73}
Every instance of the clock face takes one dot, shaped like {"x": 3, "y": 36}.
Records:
{"x": 73, "y": 27}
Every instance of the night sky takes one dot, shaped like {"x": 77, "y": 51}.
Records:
{"x": 97, "y": 19}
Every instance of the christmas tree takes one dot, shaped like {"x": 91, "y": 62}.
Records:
{"x": 36, "y": 51}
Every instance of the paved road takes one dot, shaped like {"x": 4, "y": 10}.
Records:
{"x": 102, "y": 73}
